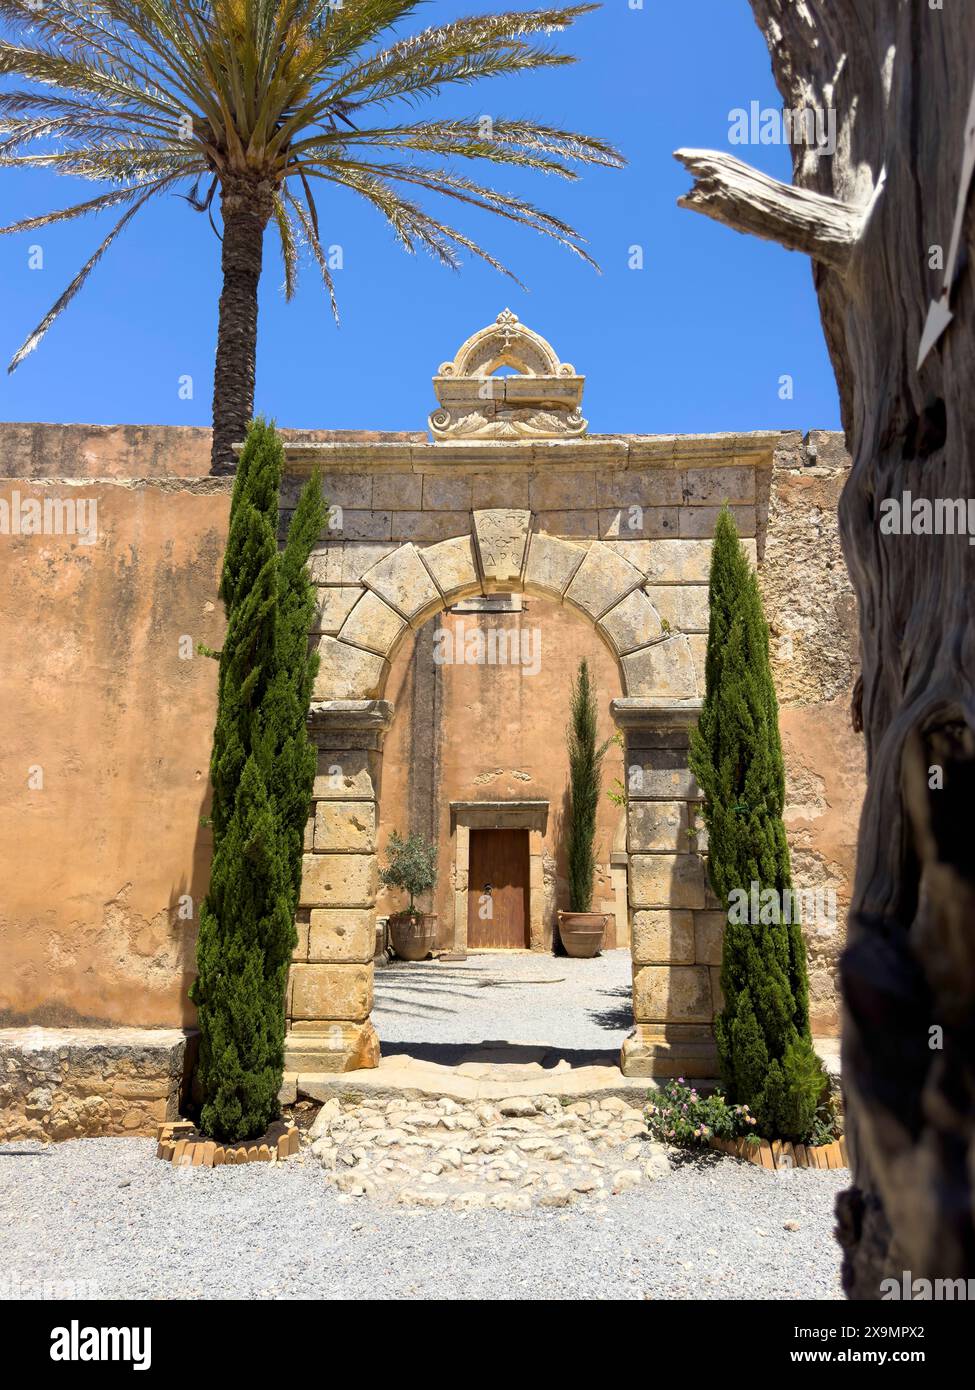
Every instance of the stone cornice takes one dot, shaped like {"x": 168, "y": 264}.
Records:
{"x": 350, "y": 714}
{"x": 531, "y": 814}
{"x": 609, "y": 451}
{"x": 633, "y": 713}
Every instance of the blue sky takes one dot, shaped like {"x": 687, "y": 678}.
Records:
{"x": 696, "y": 341}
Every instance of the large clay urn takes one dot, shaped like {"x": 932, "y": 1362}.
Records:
{"x": 413, "y": 935}
{"x": 582, "y": 933}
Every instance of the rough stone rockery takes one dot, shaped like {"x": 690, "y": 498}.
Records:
{"x": 511, "y": 1154}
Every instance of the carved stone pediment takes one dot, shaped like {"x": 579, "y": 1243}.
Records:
{"x": 543, "y": 401}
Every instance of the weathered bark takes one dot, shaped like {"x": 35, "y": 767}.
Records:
{"x": 246, "y": 210}
{"x": 900, "y": 75}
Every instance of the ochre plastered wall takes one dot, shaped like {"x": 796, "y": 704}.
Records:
{"x": 107, "y": 721}
{"x": 106, "y": 741}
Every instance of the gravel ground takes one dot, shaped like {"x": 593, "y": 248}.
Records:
{"x": 524, "y": 998}
{"x": 106, "y": 1214}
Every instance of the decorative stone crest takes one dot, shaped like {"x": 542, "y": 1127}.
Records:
{"x": 543, "y": 401}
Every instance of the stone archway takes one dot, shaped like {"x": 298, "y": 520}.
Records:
{"x": 503, "y": 554}
{"x": 512, "y": 494}
{"x": 673, "y": 929}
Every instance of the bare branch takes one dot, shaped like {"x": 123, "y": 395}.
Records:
{"x": 748, "y": 201}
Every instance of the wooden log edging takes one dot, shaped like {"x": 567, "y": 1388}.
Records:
{"x": 777, "y": 1154}
{"x": 180, "y": 1143}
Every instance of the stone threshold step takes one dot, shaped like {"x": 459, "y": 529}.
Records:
{"x": 409, "y": 1078}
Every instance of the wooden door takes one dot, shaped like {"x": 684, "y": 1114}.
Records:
{"x": 497, "y": 890}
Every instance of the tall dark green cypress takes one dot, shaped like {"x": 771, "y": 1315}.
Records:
{"x": 262, "y": 770}
{"x": 585, "y": 762}
{"x": 764, "y": 1046}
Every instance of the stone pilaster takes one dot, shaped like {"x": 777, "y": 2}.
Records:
{"x": 674, "y": 942}
{"x": 330, "y": 990}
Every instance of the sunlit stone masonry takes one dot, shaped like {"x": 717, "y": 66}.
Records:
{"x": 513, "y": 508}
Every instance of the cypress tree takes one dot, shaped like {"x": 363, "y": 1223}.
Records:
{"x": 262, "y": 770}
{"x": 764, "y": 1045}
{"x": 585, "y": 761}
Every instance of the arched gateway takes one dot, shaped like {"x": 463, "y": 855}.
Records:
{"x": 513, "y": 497}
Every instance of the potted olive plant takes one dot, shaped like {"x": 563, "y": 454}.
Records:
{"x": 413, "y": 868}
{"x": 580, "y": 928}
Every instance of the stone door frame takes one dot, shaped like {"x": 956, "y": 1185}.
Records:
{"x": 466, "y": 816}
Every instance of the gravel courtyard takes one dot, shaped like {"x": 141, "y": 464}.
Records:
{"x": 104, "y": 1218}
{"x": 109, "y": 1217}
{"x": 520, "y": 997}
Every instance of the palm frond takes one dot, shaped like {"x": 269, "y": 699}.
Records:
{"x": 60, "y": 304}
{"x": 289, "y": 250}
{"x": 46, "y": 219}
{"x": 412, "y": 224}
{"x": 483, "y": 46}
{"x": 465, "y": 190}
{"x": 521, "y": 143}
{"x": 110, "y": 162}
{"x": 309, "y": 226}
{"x": 53, "y": 68}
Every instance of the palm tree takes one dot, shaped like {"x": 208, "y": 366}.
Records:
{"x": 259, "y": 99}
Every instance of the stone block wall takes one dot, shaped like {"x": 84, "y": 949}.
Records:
{"x": 330, "y": 988}
{"x": 617, "y": 528}
{"x": 676, "y": 925}
{"x": 63, "y": 1083}
{"x": 619, "y": 531}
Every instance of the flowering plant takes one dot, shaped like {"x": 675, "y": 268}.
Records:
{"x": 678, "y": 1114}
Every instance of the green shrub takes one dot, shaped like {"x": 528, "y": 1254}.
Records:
{"x": 412, "y": 866}
{"x": 677, "y": 1114}
{"x": 765, "y": 1050}
{"x": 261, "y": 770}
{"x": 826, "y": 1125}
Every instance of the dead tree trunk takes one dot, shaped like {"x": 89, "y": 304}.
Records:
{"x": 899, "y": 75}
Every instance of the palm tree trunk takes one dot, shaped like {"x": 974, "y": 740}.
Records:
{"x": 246, "y": 208}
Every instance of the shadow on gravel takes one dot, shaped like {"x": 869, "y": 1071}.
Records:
{"x": 617, "y": 1015}
{"x": 698, "y": 1159}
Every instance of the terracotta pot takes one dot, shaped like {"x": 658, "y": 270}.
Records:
{"x": 582, "y": 933}
{"x": 413, "y": 937}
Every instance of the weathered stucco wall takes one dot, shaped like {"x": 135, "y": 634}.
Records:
{"x": 107, "y": 722}
{"x": 812, "y": 619}
{"x": 497, "y": 732}
{"x": 107, "y": 729}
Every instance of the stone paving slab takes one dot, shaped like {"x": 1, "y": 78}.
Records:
{"x": 402, "y": 1075}
{"x": 474, "y": 1077}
